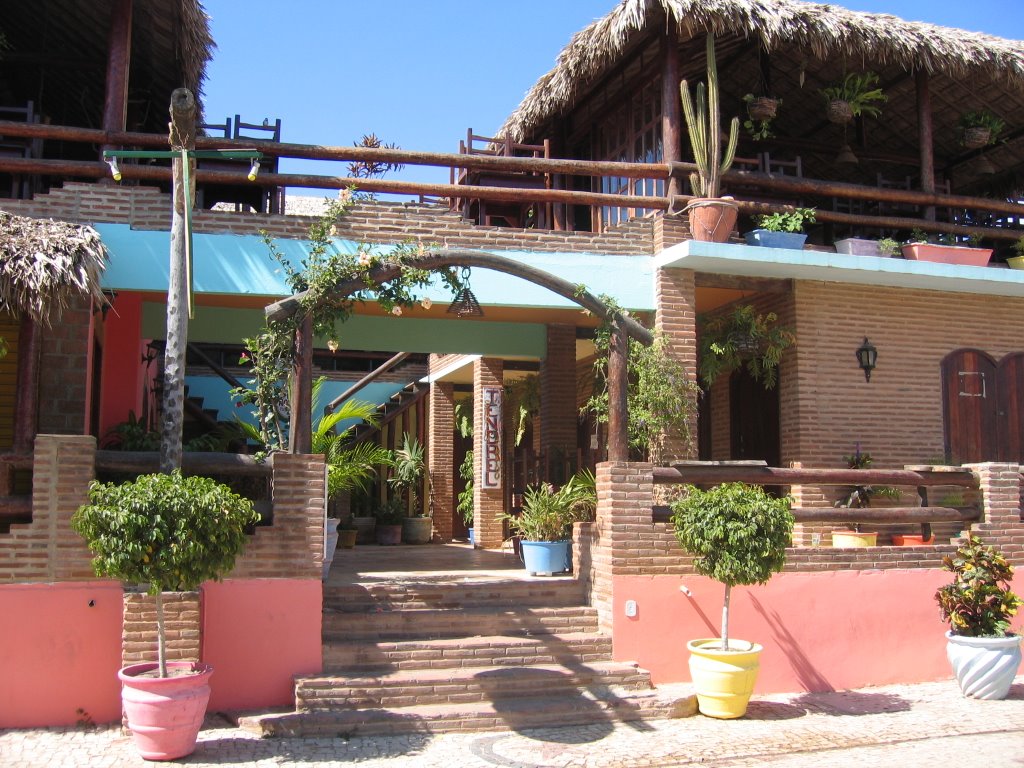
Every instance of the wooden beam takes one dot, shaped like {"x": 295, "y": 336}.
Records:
{"x": 301, "y": 438}
{"x": 26, "y": 415}
{"x": 119, "y": 51}
{"x": 714, "y": 474}
{"x": 671, "y": 106}
{"x": 142, "y": 462}
{"x": 886, "y": 515}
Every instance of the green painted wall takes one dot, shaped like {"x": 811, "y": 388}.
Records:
{"x": 384, "y": 334}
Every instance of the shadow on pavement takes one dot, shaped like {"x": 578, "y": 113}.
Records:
{"x": 773, "y": 710}
{"x": 842, "y": 703}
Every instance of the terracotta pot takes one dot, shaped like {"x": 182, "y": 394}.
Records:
{"x": 912, "y": 540}
{"x": 165, "y": 714}
{"x": 712, "y": 220}
{"x": 364, "y": 529}
{"x": 389, "y": 535}
{"x": 347, "y": 537}
{"x": 947, "y": 254}
{"x": 417, "y": 530}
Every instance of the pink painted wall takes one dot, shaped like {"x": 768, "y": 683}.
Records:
{"x": 258, "y": 634}
{"x": 58, "y": 653}
{"x": 820, "y": 631}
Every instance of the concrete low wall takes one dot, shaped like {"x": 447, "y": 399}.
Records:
{"x": 60, "y": 649}
{"x": 258, "y": 634}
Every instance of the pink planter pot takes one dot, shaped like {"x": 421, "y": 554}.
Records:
{"x": 947, "y": 254}
{"x": 165, "y": 714}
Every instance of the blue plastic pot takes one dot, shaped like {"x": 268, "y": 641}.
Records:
{"x": 545, "y": 557}
{"x": 794, "y": 241}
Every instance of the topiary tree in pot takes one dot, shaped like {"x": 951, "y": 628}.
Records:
{"x": 738, "y": 535}
{"x": 978, "y": 605}
{"x": 170, "y": 533}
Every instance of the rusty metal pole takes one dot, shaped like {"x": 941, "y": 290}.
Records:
{"x": 172, "y": 417}
{"x": 618, "y": 384}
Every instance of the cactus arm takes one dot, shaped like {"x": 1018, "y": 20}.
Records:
{"x": 714, "y": 122}
{"x": 730, "y": 149}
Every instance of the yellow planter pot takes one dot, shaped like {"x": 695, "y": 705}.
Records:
{"x": 724, "y": 680}
{"x": 854, "y": 539}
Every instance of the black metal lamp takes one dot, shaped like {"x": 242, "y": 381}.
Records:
{"x": 465, "y": 303}
{"x": 867, "y": 356}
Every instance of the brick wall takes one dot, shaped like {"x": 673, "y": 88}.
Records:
{"x": 1002, "y": 525}
{"x": 47, "y": 549}
{"x": 676, "y": 320}
{"x": 441, "y": 458}
{"x": 64, "y": 367}
{"x": 488, "y": 503}
{"x": 382, "y": 222}
{"x": 558, "y": 394}
{"x": 181, "y": 627}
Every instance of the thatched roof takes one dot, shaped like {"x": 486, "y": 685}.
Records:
{"x": 46, "y": 263}
{"x": 58, "y": 57}
{"x": 873, "y": 41}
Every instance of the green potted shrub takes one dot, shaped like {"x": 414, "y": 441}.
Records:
{"x": 169, "y": 533}
{"x": 465, "y": 503}
{"x": 738, "y": 535}
{"x": 389, "y": 515}
{"x": 856, "y": 94}
{"x": 978, "y": 606}
{"x": 712, "y": 218}
{"x": 782, "y": 230}
{"x": 545, "y": 524}
{"x": 979, "y": 128}
{"x": 860, "y": 498}
{"x": 409, "y": 466}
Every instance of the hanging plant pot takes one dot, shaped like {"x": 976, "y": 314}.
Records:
{"x": 839, "y": 112}
{"x": 977, "y": 137}
{"x": 762, "y": 108}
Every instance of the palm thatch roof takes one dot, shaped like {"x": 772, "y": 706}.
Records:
{"x": 874, "y": 41}
{"x": 58, "y": 56}
{"x": 44, "y": 264}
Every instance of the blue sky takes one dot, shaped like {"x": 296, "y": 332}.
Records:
{"x": 420, "y": 73}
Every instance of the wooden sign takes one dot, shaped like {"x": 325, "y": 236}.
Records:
{"x": 491, "y": 459}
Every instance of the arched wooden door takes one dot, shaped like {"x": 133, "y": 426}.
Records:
{"x": 1010, "y": 407}
{"x": 983, "y": 406}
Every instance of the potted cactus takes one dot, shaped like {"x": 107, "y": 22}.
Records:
{"x": 712, "y": 218}
{"x": 169, "y": 533}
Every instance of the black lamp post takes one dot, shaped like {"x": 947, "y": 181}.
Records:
{"x": 867, "y": 356}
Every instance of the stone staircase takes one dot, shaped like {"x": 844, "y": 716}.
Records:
{"x": 448, "y": 655}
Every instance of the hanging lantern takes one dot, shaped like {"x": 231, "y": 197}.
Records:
{"x": 465, "y": 303}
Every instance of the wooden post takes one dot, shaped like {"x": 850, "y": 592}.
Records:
{"x": 618, "y": 383}
{"x": 671, "y": 108}
{"x": 302, "y": 390}
{"x": 924, "y": 138}
{"x": 182, "y": 136}
{"x": 119, "y": 50}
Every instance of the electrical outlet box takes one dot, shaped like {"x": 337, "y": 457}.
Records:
{"x": 631, "y": 609}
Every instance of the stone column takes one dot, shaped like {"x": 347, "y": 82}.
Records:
{"x": 675, "y": 319}
{"x": 488, "y": 502}
{"x": 441, "y": 457}
{"x": 558, "y": 399}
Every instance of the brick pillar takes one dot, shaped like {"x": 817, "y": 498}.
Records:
{"x": 670, "y": 229}
{"x": 441, "y": 457}
{"x": 181, "y": 626}
{"x": 488, "y": 503}
{"x": 1001, "y": 525}
{"x": 65, "y": 365}
{"x": 558, "y": 400}
{"x": 675, "y": 319}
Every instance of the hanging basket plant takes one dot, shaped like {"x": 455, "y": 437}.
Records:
{"x": 761, "y": 110}
{"x": 855, "y": 95}
{"x": 743, "y": 338}
{"x": 979, "y": 129}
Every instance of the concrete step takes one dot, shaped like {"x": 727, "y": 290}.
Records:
{"x": 556, "y": 591}
{"x": 579, "y": 708}
{"x": 449, "y": 622}
{"x": 447, "y": 653}
{"x": 460, "y": 686}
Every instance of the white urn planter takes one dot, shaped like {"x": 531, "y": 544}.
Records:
{"x": 984, "y": 666}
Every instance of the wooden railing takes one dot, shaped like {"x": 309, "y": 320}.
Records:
{"x": 756, "y": 473}
{"x": 1010, "y": 211}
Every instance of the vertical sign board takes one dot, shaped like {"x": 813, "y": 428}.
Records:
{"x": 491, "y": 464}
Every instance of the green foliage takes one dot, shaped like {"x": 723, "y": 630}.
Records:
{"x": 787, "y": 222}
{"x": 390, "y": 512}
{"x": 366, "y": 169}
{"x": 703, "y": 122}
{"x": 548, "y": 514}
{"x": 759, "y": 130}
{"x": 1018, "y": 246}
{"x": 464, "y": 418}
{"x": 982, "y": 118}
{"x": 409, "y": 465}
{"x": 661, "y": 401}
{"x": 737, "y": 533}
{"x": 131, "y": 435}
{"x": 742, "y": 338}
{"x": 860, "y": 496}
{"x": 979, "y": 602}
{"x": 888, "y": 247}
{"x": 465, "y": 501}
{"x": 527, "y": 392}
{"x": 860, "y": 91}
{"x": 168, "y": 531}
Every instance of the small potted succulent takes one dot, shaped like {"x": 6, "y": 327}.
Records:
{"x": 545, "y": 524}
{"x": 860, "y": 498}
{"x": 738, "y": 535}
{"x": 782, "y": 230}
{"x": 979, "y": 128}
{"x": 978, "y": 606}
{"x": 169, "y": 533}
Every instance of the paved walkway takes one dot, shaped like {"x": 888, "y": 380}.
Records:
{"x": 930, "y": 724}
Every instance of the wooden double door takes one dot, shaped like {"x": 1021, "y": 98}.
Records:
{"x": 983, "y": 406}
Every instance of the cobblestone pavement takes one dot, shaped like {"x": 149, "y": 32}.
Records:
{"x": 929, "y": 724}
